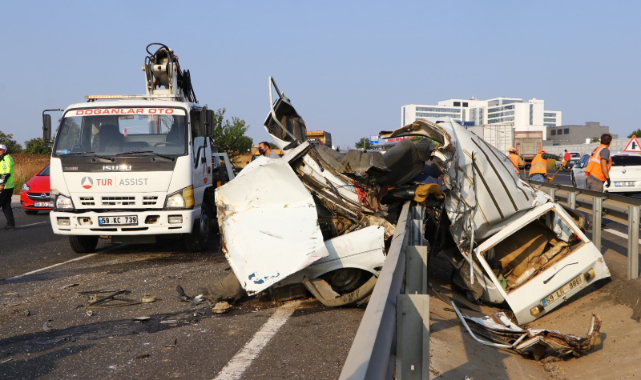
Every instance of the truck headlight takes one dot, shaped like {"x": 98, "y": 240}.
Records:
{"x": 25, "y": 187}
{"x": 63, "y": 202}
{"x": 183, "y": 198}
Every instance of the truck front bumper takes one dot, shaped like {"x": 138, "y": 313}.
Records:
{"x": 152, "y": 222}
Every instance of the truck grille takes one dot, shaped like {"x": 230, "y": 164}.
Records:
{"x": 87, "y": 201}
{"x": 149, "y": 200}
{"x": 119, "y": 201}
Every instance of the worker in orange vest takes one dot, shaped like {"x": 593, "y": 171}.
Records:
{"x": 517, "y": 162}
{"x": 538, "y": 168}
{"x": 598, "y": 170}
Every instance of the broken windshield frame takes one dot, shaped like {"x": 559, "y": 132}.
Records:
{"x": 116, "y": 131}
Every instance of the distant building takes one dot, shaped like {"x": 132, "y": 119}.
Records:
{"x": 524, "y": 116}
{"x": 575, "y": 134}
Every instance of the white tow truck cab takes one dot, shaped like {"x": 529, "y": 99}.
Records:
{"x": 132, "y": 167}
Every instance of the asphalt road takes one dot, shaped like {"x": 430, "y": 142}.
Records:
{"x": 46, "y": 332}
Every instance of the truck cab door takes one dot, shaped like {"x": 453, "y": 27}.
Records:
{"x": 201, "y": 153}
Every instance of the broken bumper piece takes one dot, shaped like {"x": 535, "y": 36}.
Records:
{"x": 501, "y": 332}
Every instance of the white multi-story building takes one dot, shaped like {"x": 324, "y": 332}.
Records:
{"x": 524, "y": 116}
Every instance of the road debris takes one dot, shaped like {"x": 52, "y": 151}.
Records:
{"x": 142, "y": 319}
{"x": 502, "y": 332}
{"x": 221, "y": 307}
{"x": 148, "y": 299}
{"x": 47, "y": 327}
{"x": 108, "y": 298}
{"x": 89, "y": 313}
{"x": 69, "y": 286}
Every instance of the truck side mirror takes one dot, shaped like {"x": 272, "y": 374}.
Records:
{"x": 46, "y": 127}
{"x": 210, "y": 123}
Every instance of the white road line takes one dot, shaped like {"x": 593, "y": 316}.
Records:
{"x": 243, "y": 358}
{"x": 32, "y": 224}
{"x": 620, "y": 234}
{"x": 53, "y": 266}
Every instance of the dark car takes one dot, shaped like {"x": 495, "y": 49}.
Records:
{"x": 34, "y": 195}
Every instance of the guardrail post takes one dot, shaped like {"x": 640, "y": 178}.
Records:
{"x": 413, "y": 336}
{"x": 633, "y": 242}
{"x": 416, "y": 270}
{"x": 552, "y": 193}
{"x": 572, "y": 200}
{"x": 596, "y": 222}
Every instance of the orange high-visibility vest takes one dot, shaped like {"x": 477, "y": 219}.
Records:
{"x": 594, "y": 165}
{"x": 539, "y": 165}
{"x": 515, "y": 162}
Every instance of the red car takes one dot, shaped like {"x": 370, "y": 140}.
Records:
{"x": 34, "y": 195}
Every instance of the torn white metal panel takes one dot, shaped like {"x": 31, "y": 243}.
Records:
{"x": 503, "y": 333}
{"x": 363, "y": 249}
{"x": 269, "y": 225}
{"x": 481, "y": 180}
{"x": 549, "y": 288}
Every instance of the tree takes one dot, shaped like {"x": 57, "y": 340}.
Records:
{"x": 12, "y": 145}
{"x": 636, "y": 133}
{"x": 595, "y": 139}
{"x": 363, "y": 143}
{"x": 37, "y": 146}
{"x": 229, "y": 136}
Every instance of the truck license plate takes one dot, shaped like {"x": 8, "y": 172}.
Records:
{"x": 575, "y": 283}
{"x": 128, "y": 220}
{"x": 42, "y": 204}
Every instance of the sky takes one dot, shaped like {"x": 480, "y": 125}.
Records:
{"x": 347, "y": 66}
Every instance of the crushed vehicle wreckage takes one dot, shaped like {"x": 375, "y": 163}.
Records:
{"x": 323, "y": 219}
{"x": 527, "y": 250}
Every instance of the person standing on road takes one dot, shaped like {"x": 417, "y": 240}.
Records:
{"x": 517, "y": 162}
{"x": 538, "y": 168}
{"x": 598, "y": 170}
{"x": 566, "y": 158}
{"x": 6, "y": 186}
{"x": 265, "y": 150}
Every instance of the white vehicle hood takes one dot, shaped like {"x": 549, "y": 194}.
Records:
{"x": 268, "y": 221}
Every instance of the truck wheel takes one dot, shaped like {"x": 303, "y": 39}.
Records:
{"x": 83, "y": 244}
{"x": 30, "y": 212}
{"x": 198, "y": 239}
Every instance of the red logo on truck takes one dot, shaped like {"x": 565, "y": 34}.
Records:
{"x": 86, "y": 182}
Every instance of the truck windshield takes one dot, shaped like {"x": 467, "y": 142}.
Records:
{"x": 113, "y": 131}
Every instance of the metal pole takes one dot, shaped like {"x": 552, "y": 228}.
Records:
{"x": 572, "y": 201}
{"x": 596, "y": 222}
{"x": 633, "y": 242}
{"x": 552, "y": 193}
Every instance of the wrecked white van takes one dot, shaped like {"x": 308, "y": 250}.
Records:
{"x": 528, "y": 251}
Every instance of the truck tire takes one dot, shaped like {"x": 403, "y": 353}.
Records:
{"x": 198, "y": 239}
{"x": 83, "y": 244}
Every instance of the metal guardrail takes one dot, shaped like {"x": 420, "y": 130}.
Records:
{"x": 624, "y": 210}
{"x": 394, "y": 331}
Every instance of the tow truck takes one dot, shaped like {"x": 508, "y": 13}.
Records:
{"x": 134, "y": 167}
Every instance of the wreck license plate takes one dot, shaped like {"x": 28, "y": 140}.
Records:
{"x": 129, "y": 220}
{"x": 575, "y": 283}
